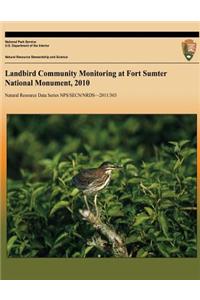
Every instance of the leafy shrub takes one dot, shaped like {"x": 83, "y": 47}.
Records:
{"x": 150, "y": 203}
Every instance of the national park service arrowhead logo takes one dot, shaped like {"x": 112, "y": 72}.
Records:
{"x": 189, "y": 48}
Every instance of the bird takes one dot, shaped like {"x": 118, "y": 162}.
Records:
{"x": 92, "y": 181}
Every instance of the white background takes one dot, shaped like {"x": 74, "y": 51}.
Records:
{"x": 104, "y": 10}
{"x": 100, "y": 290}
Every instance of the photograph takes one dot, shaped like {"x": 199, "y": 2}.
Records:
{"x": 101, "y": 186}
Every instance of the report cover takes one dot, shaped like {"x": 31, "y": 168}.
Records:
{"x": 99, "y": 150}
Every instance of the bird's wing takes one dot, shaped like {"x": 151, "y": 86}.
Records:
{"x": 85, "y": 177}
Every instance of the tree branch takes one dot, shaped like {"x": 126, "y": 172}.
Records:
{"x": 118, "y": 247}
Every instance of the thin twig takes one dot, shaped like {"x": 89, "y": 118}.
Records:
{"x": 188, "y": 208}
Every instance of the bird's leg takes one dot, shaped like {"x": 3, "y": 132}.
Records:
{"x": 86, "y": 203}
{"x": 96, "y": 207}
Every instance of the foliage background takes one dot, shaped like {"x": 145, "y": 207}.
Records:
{"x": 150, "y": 203}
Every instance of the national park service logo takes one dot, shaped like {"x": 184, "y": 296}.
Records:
{"x": 189, "y": 48}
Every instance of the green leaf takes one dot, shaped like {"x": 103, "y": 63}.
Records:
{"x": 176, "y": 148}
{"x": 74, "y": 192}
{"x": 125, "y": 197}
{"x": 142, "y": 253}
{"x": 134, "y": 181}
{"x": 59, "y": 205}
{"x": 55, "y": 192}
{"x": 55, "y": 175}
{"x": 184, "y": 142}
{"x": 76, "y": 254}
{"x": 173, "y": 143}
{"x": 22, "y": 227}
{"x": 56, "y": 159}
{"x": 163, "y": 223}
{"x": 132, "y": 239}
{"x": 115, "y": 212}
{"x": 164, "y": 239}
{"x": 168, "y": 194}
{"x": 63, "y": 165}
{"x": 10, "y": 243}
{"x": 166, "y": 204}
{"x": 149, "y": 210}
{"x": 154, "y": 186}
{"x": 88, "y": 249}
{"x": 187, "y": 152}
{"x": 178, "y": 163}
{"x": 163, "y": 249}
{"x": 140, "y": 218}
{"x": 61, "y": 237}
{"x": 37, "y": 192}
{"x": 62, "y": 182}
{"x": 173, "y": 250}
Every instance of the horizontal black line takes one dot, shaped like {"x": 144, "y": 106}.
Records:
{"x": 101, "y": 34}
{"x": 101, "y": 63}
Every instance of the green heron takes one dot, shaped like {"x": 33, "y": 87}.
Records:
{"x": 91, "y": 181}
